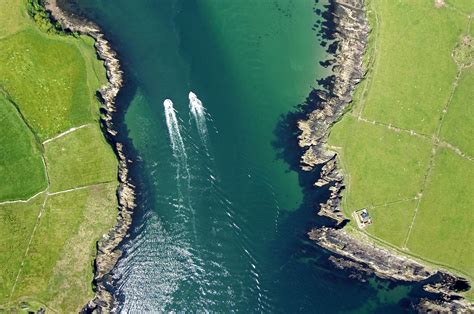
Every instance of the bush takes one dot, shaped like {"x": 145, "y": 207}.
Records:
{"x": 38, "y": 12}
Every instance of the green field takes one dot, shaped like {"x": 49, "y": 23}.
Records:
{"x": 17, "y": 222}
{"x": 92, "y": 159}
{"x": 460, "y": 109}
{"x": 414, "y": 61}
{"x": 21, "y": 165}
{"x": 445, "y": 214}
{"x": 52, "y": 212}
{"x": 407, "y": 145}
{"x": 54, "y": 100}
{"x": 371, "y": 156}
{"x": 60, "y": 257}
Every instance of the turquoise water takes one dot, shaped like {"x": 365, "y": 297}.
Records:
{"x": 223, "y": 215}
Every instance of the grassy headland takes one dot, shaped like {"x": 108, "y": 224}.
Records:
{"x": 57, "y": 196}
{"x": 406, "y": 146}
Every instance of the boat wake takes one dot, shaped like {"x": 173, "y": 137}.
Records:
{"x": 176, "y": 139}
{"x": 208, "y": 272}
{"x": 179, "y": 153}
{"x": 199, "y": 114}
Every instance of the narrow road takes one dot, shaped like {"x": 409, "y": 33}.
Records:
{"x": 65, "y": 133}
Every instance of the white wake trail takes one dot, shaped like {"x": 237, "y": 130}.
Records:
{"x": 176, "y": 139}
{"x": 199, "y": 113}
{"x": 179, "y": 152}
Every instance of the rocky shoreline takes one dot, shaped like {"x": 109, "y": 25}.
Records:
{"x": 107, "y": 247}
{"x": 351, "y": 34}
{"x": 381, "y": 261}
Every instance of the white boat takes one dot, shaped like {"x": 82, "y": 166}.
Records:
{"x": 168, "y": 104}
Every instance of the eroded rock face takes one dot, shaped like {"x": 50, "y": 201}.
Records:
{"x": 445, "y": 306}
{"x": 383, "y": 262}
{"x": 107, "y": 251}
{"x": 351, "y": 34}
{"x": 357, "y": 270}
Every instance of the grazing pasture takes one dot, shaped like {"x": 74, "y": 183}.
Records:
{"x": 52, "y": 97}
{"x": 17, "y": 222}
{"x": 407, "y": 145}
{"x": 57, "y": 270}
{"x": 52, "y": 212}
{"x": 414, "y": 71}
{"x": 461, "y": 109}
{"x": 80, "y": 158}
{"x": 21, "y": 165}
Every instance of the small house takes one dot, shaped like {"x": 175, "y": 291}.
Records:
{"x": 363, "y": 218}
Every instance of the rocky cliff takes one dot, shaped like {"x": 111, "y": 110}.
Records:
{"x": 351, "y": 35}
{"x": 107, "y": 251}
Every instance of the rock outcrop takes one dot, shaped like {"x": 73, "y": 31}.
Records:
{"x": 383, "y": 262}
{"x": 107, "y": 247}
{"x": 445, "y": 306}
{"x": 351, "y": 35}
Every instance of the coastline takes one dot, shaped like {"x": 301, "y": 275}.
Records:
{"x": 107, "y": 247}
{"x": 351, "y": 33}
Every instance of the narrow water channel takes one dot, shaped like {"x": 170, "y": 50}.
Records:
{"x": 222, "y": 217}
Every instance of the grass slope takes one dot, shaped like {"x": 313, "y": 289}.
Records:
{"x": 16, "y": 226}
{"x": 57, "y": 270}
{"x": 443, "y": 229}
{"x": 466, "y": 6}
{"x": 374, "y": 164}
{"x": 80, "y": 158}
{"x": 412, "y": 80}
{"x": 407, "y": 146}
{"x": 48, "y": 243}
{"x": 393, "y": 226}
{"x": 14, "y": 19}
{"x": 52, "y": 97}
{"x": 461, "y": 109}
{"x": 21, "y": 166}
